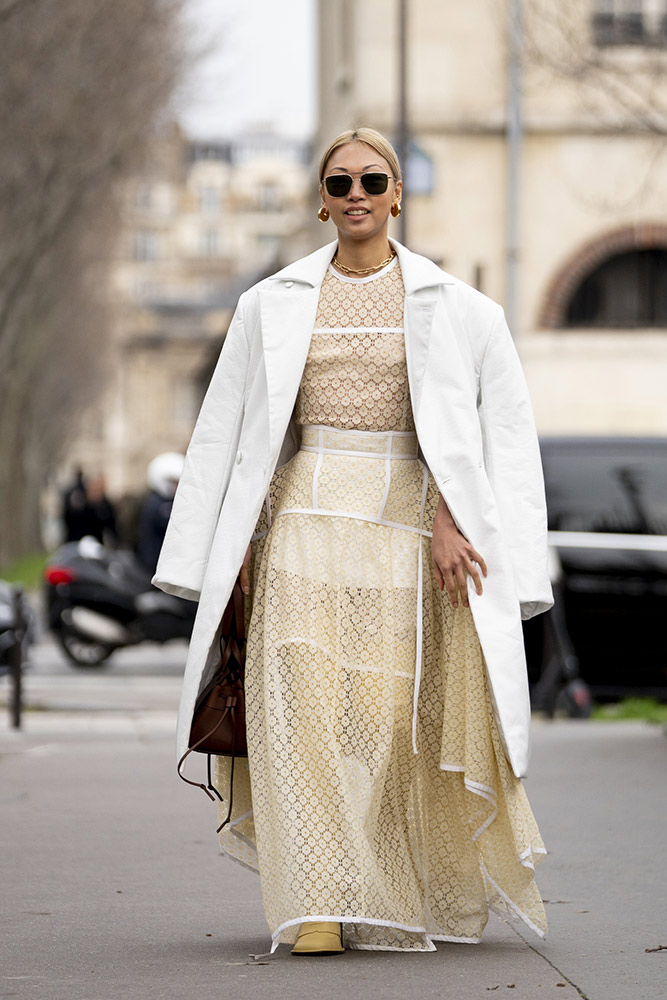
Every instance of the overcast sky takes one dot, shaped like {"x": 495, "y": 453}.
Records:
{"x": 260, "y": 70}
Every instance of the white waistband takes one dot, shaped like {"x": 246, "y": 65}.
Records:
{"x": 363, "y": 444}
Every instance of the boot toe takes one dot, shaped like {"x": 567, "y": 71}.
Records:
{"x": 319, "y": 938}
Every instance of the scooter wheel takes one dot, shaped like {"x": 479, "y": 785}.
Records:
{"x": 83, "y": 652}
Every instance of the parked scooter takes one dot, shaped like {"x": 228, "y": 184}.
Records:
{"x": 8, "y": 625}
{"x": 99, "y": 600}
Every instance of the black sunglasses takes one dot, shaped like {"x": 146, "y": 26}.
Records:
{"x": 338, "y": 185}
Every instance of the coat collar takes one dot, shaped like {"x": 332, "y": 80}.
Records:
{"x": 417, "y": 271}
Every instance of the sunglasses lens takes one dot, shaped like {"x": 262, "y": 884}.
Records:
{"x": 374, "y": 183}
{"x": 338, "y": 185}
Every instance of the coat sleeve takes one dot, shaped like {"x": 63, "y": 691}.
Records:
{"x": 208, "y": 464}
{"x": 513, "y": 465}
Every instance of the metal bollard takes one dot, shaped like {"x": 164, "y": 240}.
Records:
{"x": 16, "y": 658}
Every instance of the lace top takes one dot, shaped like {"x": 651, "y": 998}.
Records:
{"x": 356, "y": 376}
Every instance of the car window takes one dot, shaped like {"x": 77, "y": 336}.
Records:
{"x": 612, "y": 485}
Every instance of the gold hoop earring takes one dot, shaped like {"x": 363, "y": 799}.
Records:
{"x": 396, "y": 209}
{"x": 323, "y": 214}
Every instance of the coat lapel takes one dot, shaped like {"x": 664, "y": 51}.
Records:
{"x": 418, "y": 321}
{"x": 288, "y": 319}
{"x": 422, "y": 280}
{"x": 288, "y": 306}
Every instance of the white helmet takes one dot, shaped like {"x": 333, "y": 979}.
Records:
{"x": 164, "y": 472}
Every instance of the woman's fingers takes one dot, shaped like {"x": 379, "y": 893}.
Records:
{"x": 446, "y": 578}
{"x": 454, "y": 560}
{"x": 452, "y": 589}
{"x": 480, "y": 562}
{"x": 455, "y": 577}
{"x": 462, "y": 584}
{"x": 473, "y": 570}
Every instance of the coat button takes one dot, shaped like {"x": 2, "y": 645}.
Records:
{"x": 288, "y": 284}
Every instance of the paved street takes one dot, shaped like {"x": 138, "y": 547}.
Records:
{"x": 112, "y": 885}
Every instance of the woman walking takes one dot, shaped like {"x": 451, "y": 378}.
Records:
{"x": 369, "y": 433}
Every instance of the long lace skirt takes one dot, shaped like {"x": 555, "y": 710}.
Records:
{"x": 376, "y": 791}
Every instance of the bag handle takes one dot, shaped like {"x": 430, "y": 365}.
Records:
{"x": 230, "y": 709}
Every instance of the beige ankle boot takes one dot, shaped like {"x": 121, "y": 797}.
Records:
{"x": 319, "y": 937}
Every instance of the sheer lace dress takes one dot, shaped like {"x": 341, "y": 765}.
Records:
{"x": 377, "y": 791}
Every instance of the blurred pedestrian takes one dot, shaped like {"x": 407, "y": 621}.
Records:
{"x": 76, "y": 512}
{"x": 368, "y": 430}
{"x": 128, "y": 519}
{"x": 163, "y": 474}
{"x": 103, "y": 514}
{"x": 88, "y": 512}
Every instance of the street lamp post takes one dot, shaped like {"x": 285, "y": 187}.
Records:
{"x": 403, "y": 128}
{"x": 514, "y": 136}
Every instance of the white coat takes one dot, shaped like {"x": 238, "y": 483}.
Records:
{"x": 476, "y": 433}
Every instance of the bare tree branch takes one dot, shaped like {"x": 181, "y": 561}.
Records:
{"x": 84, "y": 83}
{"x": 618, "y": 87}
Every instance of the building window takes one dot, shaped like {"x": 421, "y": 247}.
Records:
{"x": 628, "y": 290}
{"x": 209, "y": 243}
{"x": 268, "y": 197}
{"x": 629, "y": 22}
{"x": 209, "y": 200}
{"x": 269, "y": 243}
{"x": 143, "y": 196}
{"x": 145, "y": 245}
{"x": 144, "y": 291}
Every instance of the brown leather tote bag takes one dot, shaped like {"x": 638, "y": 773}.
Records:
{"x": 218, "y": 722}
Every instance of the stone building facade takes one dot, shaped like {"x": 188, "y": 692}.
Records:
{"x": 201, "y": 222}
{"x": 580, "y": 261}
{"x": 567, "y": 115}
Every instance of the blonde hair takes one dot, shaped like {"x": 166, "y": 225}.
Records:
{"x": 372, "y": 138}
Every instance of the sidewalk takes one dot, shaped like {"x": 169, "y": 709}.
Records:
{"x": 112, "y": 885}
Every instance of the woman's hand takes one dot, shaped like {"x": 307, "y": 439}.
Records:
{"x": 454, "y": 558}
{"x": 244, "y": 576}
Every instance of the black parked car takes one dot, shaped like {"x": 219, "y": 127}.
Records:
{"x": 607, "y": 504}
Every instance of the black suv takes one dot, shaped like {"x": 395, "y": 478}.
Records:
{"x": 607, "y": 504}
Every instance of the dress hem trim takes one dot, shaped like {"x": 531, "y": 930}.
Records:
{"x": 355, "y": 920}
{"x": 430, "y": 938}
{"x": 237, "y": 861}
{"x": 513, "y": 907}
{"x": 477, "y": 788}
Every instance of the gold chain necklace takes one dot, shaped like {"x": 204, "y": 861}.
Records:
{"x": 364, "y": 270}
